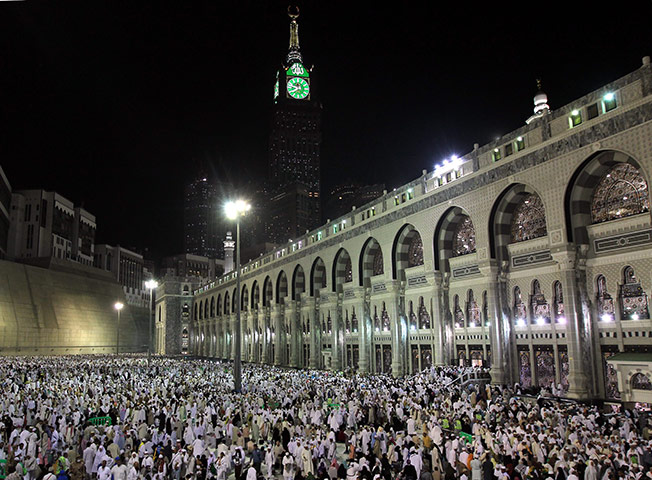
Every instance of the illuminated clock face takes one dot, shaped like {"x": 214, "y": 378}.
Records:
{"x": 298, "y": 70}
{"x": 298, "y": 88}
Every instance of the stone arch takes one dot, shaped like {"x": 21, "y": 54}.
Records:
{"x": 206, "y": 308}
{"x": 317, "y": 275}
{"x": 453, "y": 223}
{"x": 219, "y": 305}
{"x": 212, "y": 314}
{"x": 502, "y": 218}
{"x": 281, "y": 286}
{"x": 342, "y": 269}
{"x": 227, "y": 303}
{"x": 580, "y": 190}
{"x": 244, "y": 298}
{"x": 234, "y": 297}
{"x": 267, "y": 292}
{"x": 201, "y": 310}
{"x": 298, "y": 282}
{"x": 407, "y": 250}
{"x": 255, "y": 295}
{"x": 371, "y": 261}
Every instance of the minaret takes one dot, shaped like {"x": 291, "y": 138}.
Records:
{"x": 541, "y": 107}
{"x": 229, "y": 247}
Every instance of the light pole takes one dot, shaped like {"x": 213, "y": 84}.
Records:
{"x": 150, "y": 285}
{"x": 118, "y": 306}
{"x": 235, "y": 210}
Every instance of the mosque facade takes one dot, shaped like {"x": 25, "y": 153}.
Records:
{"x": 531, "y": 255}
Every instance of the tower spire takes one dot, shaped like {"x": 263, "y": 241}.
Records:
{"x": 294, "y": 54}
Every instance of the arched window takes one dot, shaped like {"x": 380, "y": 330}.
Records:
{"x": 348, "y": 271}
{"x": 604, "y": 300}
{"x": 464, "y": 237}
{"x": 520, "y": 313}
{"x": 538, "y": 304}
{"x": 376, "y": 320}
{"x": 458, "y": 314}
{"x": 384, "y": 316}
{"x": 424, "y": 316}
{"x": 558, "y": 303}
{"x": 472, "y": 310}
{"x": 378, "y": 262}
{"x": 354, "y": 321}
{"x": 633, "y": 299}
{"x": 413, "y": 318}
{"x": 415, "y": 251}
{"x": 622, "y": 192}
{"x": 347, "y": 323}
{"x": 529, "y": 220}
{"x": 640, "y": 381}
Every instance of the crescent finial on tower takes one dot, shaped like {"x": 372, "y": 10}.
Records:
{"x": 294, "y": 54}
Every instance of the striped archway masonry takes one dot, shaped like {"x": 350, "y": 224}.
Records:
{"x": 370, "y": 249}
{"x": 255, "y": 295}
{"x": 445, "y": 236}
{"x": 281, "y": 286}
{"x": 503, "y": 217}
{"x": 298, "y": 282}
{"x": 267, "y": 292}
{"x": 244, "y": 298}
{"x": 339, "y": 271}
{"x": 559, "y": 163}
{"x": 404, "y": 239}
{"x": 317, "y": 276}
{"x": 581, "y": 190}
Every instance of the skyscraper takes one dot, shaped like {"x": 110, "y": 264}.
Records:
{"x": 294, "y": 147}
{"x": 203, "y": 225}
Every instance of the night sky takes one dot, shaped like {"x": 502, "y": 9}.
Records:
{"x": 116, "y": 105}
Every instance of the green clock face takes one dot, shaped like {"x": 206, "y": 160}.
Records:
{"x": 298, "y": 70}
{"x": 298, "y": 88}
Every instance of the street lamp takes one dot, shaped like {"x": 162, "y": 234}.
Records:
{"x": 118, "y": 306}
{"x": 233, "y": 211}
{"x": 150, "y": 285}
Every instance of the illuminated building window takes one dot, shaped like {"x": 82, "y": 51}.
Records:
{"x": 464, "y": 238}
{"x": 575, "y": 118}
{"x": 520, "y": 144}
{"x": 609, "y": 102}
{"x": 496, "y": 155}
{"x": 415, "y": 251}
{"x": 529, "y": 220}
{"x": 622, "y": 192}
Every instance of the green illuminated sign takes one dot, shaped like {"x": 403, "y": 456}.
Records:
{"x": 298, "y": 70}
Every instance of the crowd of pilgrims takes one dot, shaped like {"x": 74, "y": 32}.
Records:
{"x": 180, "y": 419}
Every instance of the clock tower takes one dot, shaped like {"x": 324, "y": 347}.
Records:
{"x": 294, "y": 147}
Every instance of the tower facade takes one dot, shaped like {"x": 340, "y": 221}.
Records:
{"x": 203, "y": 228}
{"x": 294, "y": 146}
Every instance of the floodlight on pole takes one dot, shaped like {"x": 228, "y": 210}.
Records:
{"x": 118, "y": 306}
{"x": 233, "y": 211}
{"x": 150, "y": 285}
